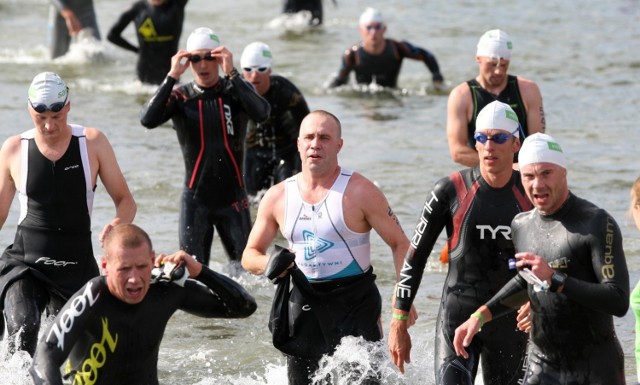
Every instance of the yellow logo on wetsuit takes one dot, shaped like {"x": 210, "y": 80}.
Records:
{"x": 88, "y": 373}
{"x": 148, "y": 32}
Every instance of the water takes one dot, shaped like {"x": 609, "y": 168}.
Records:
{"x": 584, "y": 55}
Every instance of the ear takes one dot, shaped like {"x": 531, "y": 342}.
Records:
{"x": 103, "y": 264}
{"x": 516, "y": 145}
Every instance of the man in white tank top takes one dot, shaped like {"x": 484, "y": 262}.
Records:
{"x": 326, "y": 214}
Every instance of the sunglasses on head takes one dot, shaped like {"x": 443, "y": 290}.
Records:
{"x": 53, "y": 107}
{"x": 256, "y": 69}
{"x": 377, "y": 27}
{"x": 197, "y": 58}
{"x": 497, "y": 138}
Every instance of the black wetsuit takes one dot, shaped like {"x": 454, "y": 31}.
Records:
{"x": 210, "y": 124}
{"x": 477, "y": 218}
{"x": 314, "y": 316}
{"x": 271, "y": 154}
{"x": 59, "y": 38}
{"x": 52, "y": 254}
{"x": 107, "y": 341}
{"x": 573, "y": 340}
{"x": 510, "y": 95}
{"x": 313, "y": 6}
{"x": 158, "y": 29}
{"x": 385, "y": 67}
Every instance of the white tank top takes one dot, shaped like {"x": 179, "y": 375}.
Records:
{"x": 325, "y": 247}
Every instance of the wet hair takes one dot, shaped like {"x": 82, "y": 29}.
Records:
{"x": 128, "y": 236}
{"x": 329, "y": 115}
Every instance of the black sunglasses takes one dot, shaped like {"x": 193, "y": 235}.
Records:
{"x": 53, "y": 107}
{"x": 497, "y": 138}
{"x": 257, "y": 69}
{"x": 197, "y": 58}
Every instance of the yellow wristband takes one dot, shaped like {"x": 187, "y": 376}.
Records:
{"x": 401, "y": 317}
{"x": 479, "y": 316}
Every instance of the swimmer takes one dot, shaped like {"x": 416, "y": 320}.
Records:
{"x": 466, "y": 100}
{"x": 123, "y": 314}
{"x": 576, "y": 248}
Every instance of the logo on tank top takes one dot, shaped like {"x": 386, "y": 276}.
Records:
{"x": 314, "y": 246}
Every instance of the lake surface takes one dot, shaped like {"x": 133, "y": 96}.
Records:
{"x": 584, "y": 55}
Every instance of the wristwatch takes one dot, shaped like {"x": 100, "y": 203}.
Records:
{"x": 557, "y": 280}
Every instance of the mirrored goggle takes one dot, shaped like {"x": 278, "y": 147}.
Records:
{"x": 197, "y": 58}
{"x": 53, "y": 107}
{"x": 256, "y": 69}
{"x": 497, "y": 138}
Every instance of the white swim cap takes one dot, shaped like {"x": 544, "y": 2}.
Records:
{"x": 495, "y": 44}
{"x": 48, "y": 88}
{"x": 256, "y": 54}
{"x": 497, "y": 115}
{"x": 202, "y": 38}
{"x": 541, "y": 148}
{"x": 371, "y": 15}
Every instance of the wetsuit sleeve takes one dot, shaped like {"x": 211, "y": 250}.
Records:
{"x": 57, "y": 342}
{"x": 221, "y": 297}
{"x": 257, "y": 107}
{"x": 115, "y": 33}
{"x": 345, "y": 68}
{"x": 416, "y": 53}
{"x": 435, "y": 215}
{"x": 610, "y": 294}
{"x": 512, "y": 295}
{"x": 161, "y": 105}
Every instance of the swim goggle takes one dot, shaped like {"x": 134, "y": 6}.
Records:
{"x": 256, "y": 69}
{"x": 53, "y": 107}
{"x": 197, "y": 58}
{"x": 497, "y": 138}
{"x": 376, "y": 27}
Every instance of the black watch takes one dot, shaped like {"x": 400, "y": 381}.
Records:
{"x": 557, "y": 279}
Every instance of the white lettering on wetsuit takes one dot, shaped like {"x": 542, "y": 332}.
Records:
{"x": 505, "y": 230}
{"x": 88, "y": 375}
{"x": 422, "y": 224}
{"x": 78, "y": 306}
{"x": 49, "y": 261}
{"x": 402, "y": 289}
{"x": 227, "y": 118}
{"x": 608, "y": 270}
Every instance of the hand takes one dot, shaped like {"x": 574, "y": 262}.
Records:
{"x": 524, "y": 318}
{"x": 399, "y": 343}
{"x": 179, "y": 63}
{"x": 413, "y": 316}
{"x": 464, "y": 335}
{"x": 106, "y": 230}
{"x": 224, "y": 57}
{"x": 536, "y": 264}
{"x": 193, "y": 266}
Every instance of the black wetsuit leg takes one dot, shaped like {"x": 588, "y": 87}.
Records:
{"x": 234, "y": 224}
{"x": 300, "y": 369}
{"x": 499, "y": 346}
{"x": 313, "y": 6}
{"x": 24, "y": 302}
{"x": 258, "y": 170}
{"x": 196, "y": 228}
